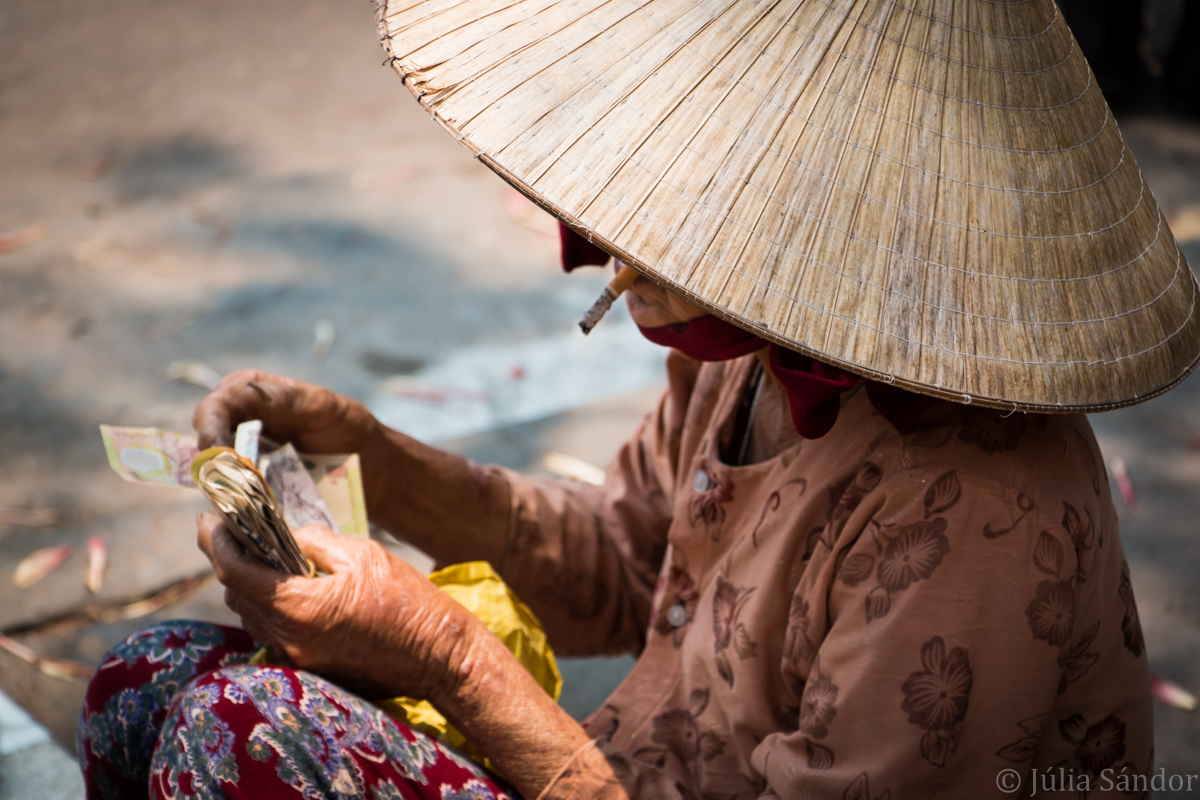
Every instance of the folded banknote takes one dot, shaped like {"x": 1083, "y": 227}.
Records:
{"x": 238, "y": 490}
{"x": 148, "y": 455}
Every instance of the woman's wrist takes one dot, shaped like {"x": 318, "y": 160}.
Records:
{"x": 450, "y": 507}
{"x": 507, "y": 716}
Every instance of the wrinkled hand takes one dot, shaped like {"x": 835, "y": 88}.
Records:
{"x": 372, "y": 623}
{"x": 315, "y": 419}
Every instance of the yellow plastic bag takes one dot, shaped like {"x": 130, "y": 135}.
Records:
{"x": 485, "y": 594}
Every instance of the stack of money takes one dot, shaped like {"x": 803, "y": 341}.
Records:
{"x": 263, "y": 489}
{"x": 240, "y": 493}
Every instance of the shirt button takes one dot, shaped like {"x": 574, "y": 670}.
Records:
{"x": 677, "y": 615}
{"x": 701, "y": 482}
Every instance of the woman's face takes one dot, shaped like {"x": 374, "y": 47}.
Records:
{"x": 652, "y": 306}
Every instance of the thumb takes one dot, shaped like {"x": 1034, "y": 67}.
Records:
{"x": 329, "y": 551}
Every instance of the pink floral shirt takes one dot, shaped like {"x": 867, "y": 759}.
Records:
{"x": 867, "y": 615}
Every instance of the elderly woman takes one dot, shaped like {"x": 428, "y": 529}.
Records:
{"x": 835, "y": 587}
{"x": 921, "y": 597}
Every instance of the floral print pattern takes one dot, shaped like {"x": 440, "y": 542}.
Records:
{"x": 936, "y": 698}
{"x": 1022, "y": 750}
{"x": 913, "y": 554}
{"x": 1131, "y": 626}
{"x": 1100, "y": 746}
{"x": 706, "y": 510}
{"x": 678, "y": 731}
{"x": 793, "y": 488}
{"x": 992, "y": 431}
{"x": 906, "y": 553}
{"x": 860, "y": 789}
{"x": 797, "y": 647}
{"x": 1051, "y": 613}
{"x": 1024, "y": 507}
{"x": 817, "y": 706}
{"x": 888, "y": 611}
{"x": 728, "y": 602}
{"x": 118, "y": 727}
{"x": 1081, "y": 529}
{"x": 238, "y": 726}
{"x": 845, "y": 496}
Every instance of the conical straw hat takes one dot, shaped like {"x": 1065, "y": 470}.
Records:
{"x": 927, "y": 192}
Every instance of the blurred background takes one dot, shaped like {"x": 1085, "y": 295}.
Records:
{"x": 189, "y": 189}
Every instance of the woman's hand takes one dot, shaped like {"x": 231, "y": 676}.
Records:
{"x": 371, "y": 623}
{"x": 315, "y": 419}
{"x": 445, "y": 505}
{"x": 376, "y": 626}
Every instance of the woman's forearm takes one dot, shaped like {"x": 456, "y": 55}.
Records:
{"x": 501, "y": 710}
{"x": 448, "y": 506}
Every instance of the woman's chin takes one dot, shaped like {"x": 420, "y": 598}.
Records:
{"x": 644, "y": 314}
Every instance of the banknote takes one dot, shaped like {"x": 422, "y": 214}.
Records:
{"x": 337, "y": 478}
{"x": 246, "y": 439}
{"x": 332, "y": 495}
{"x": 294, "y": 489}
{"x": 150, "y": 456}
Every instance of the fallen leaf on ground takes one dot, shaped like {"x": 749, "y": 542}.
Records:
{"x": 167, "y": 326}
{"x": 97, "y": 562}
{"x": 196, "y": 373}
{"x": 23, "y": 237}
{"x": 39, "y": 564}
{"x": 323, "y": 336}
{"x": 434, "y": 395}
{"x": 59, "y": 668}
{"x": 158, "y": 601}
{"x": 63, "y": 669}
{"x": 1171, "y": 694}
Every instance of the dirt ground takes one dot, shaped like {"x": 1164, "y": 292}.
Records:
{"x": 217, "y": 177}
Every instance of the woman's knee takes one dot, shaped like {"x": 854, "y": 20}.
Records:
{"x": 128, "y": 696}
{"x": 178, "y": 642}
{"x": 153, "y": 664}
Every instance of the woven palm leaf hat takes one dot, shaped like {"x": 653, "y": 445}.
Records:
{"x": 930, "y": 193}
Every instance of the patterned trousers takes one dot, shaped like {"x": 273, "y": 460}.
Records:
{"x": 176, "y": 712}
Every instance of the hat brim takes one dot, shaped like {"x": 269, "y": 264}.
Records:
{"x": 943, "y": 203}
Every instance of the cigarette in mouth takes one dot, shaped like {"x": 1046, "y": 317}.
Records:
{"x": 626, "y": 276}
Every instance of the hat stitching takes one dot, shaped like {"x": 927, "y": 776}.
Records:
{"x": 651, "y": 72}
{"x": 841, "y": 53}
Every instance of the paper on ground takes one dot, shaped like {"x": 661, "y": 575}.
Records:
{"x": 491, "y": 386}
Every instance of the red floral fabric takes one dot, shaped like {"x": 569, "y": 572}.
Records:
{"x": 176, "y": 712}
